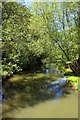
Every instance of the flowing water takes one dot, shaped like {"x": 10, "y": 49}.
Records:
{"x": 39, "y": 95}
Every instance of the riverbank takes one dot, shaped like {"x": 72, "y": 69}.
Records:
{"x": 72, "y": 78}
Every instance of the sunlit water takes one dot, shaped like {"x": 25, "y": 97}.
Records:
{"x": 62, "y": 108}
{"x": 39, "y": 96}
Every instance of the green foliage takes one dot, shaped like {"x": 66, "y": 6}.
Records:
{"x": 46, "y": 33}
{"x": 70, "y": 76}
{"x": 14, "y": 34}
{"x": 56, "y": 23}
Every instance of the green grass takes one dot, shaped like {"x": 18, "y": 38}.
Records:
{"x": 74, "y": 79}
{"x": 33, "y": 76}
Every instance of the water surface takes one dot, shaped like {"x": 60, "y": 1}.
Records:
{"x": 62, "y": 108}
{"x": 39, "y": 95}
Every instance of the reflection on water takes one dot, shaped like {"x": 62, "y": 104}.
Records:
{"x": 31, "y": 90}
{"x": 61, "y": 108}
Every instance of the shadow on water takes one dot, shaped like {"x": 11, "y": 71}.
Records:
{"x": 32, "y": 89}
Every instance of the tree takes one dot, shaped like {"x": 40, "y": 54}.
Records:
{"x": 45, "y": 34}
{"x": 59, "y": 23}
{"x": 15, "y": 32}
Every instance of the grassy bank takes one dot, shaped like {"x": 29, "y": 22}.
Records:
{"x": 73, "y": 78}
{"x": 34, "y": 76}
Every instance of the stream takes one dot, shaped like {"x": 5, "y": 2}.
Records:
{"x": 39, "y": 95}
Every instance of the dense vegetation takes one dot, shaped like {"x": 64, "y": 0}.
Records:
{"x": 44, "y": 34}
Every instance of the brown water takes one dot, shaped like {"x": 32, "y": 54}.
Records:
{"x": 29, "y": 96}
{"x": 62, "y": 108}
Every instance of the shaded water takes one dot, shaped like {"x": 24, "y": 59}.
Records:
{"x": 38, "y": 95}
